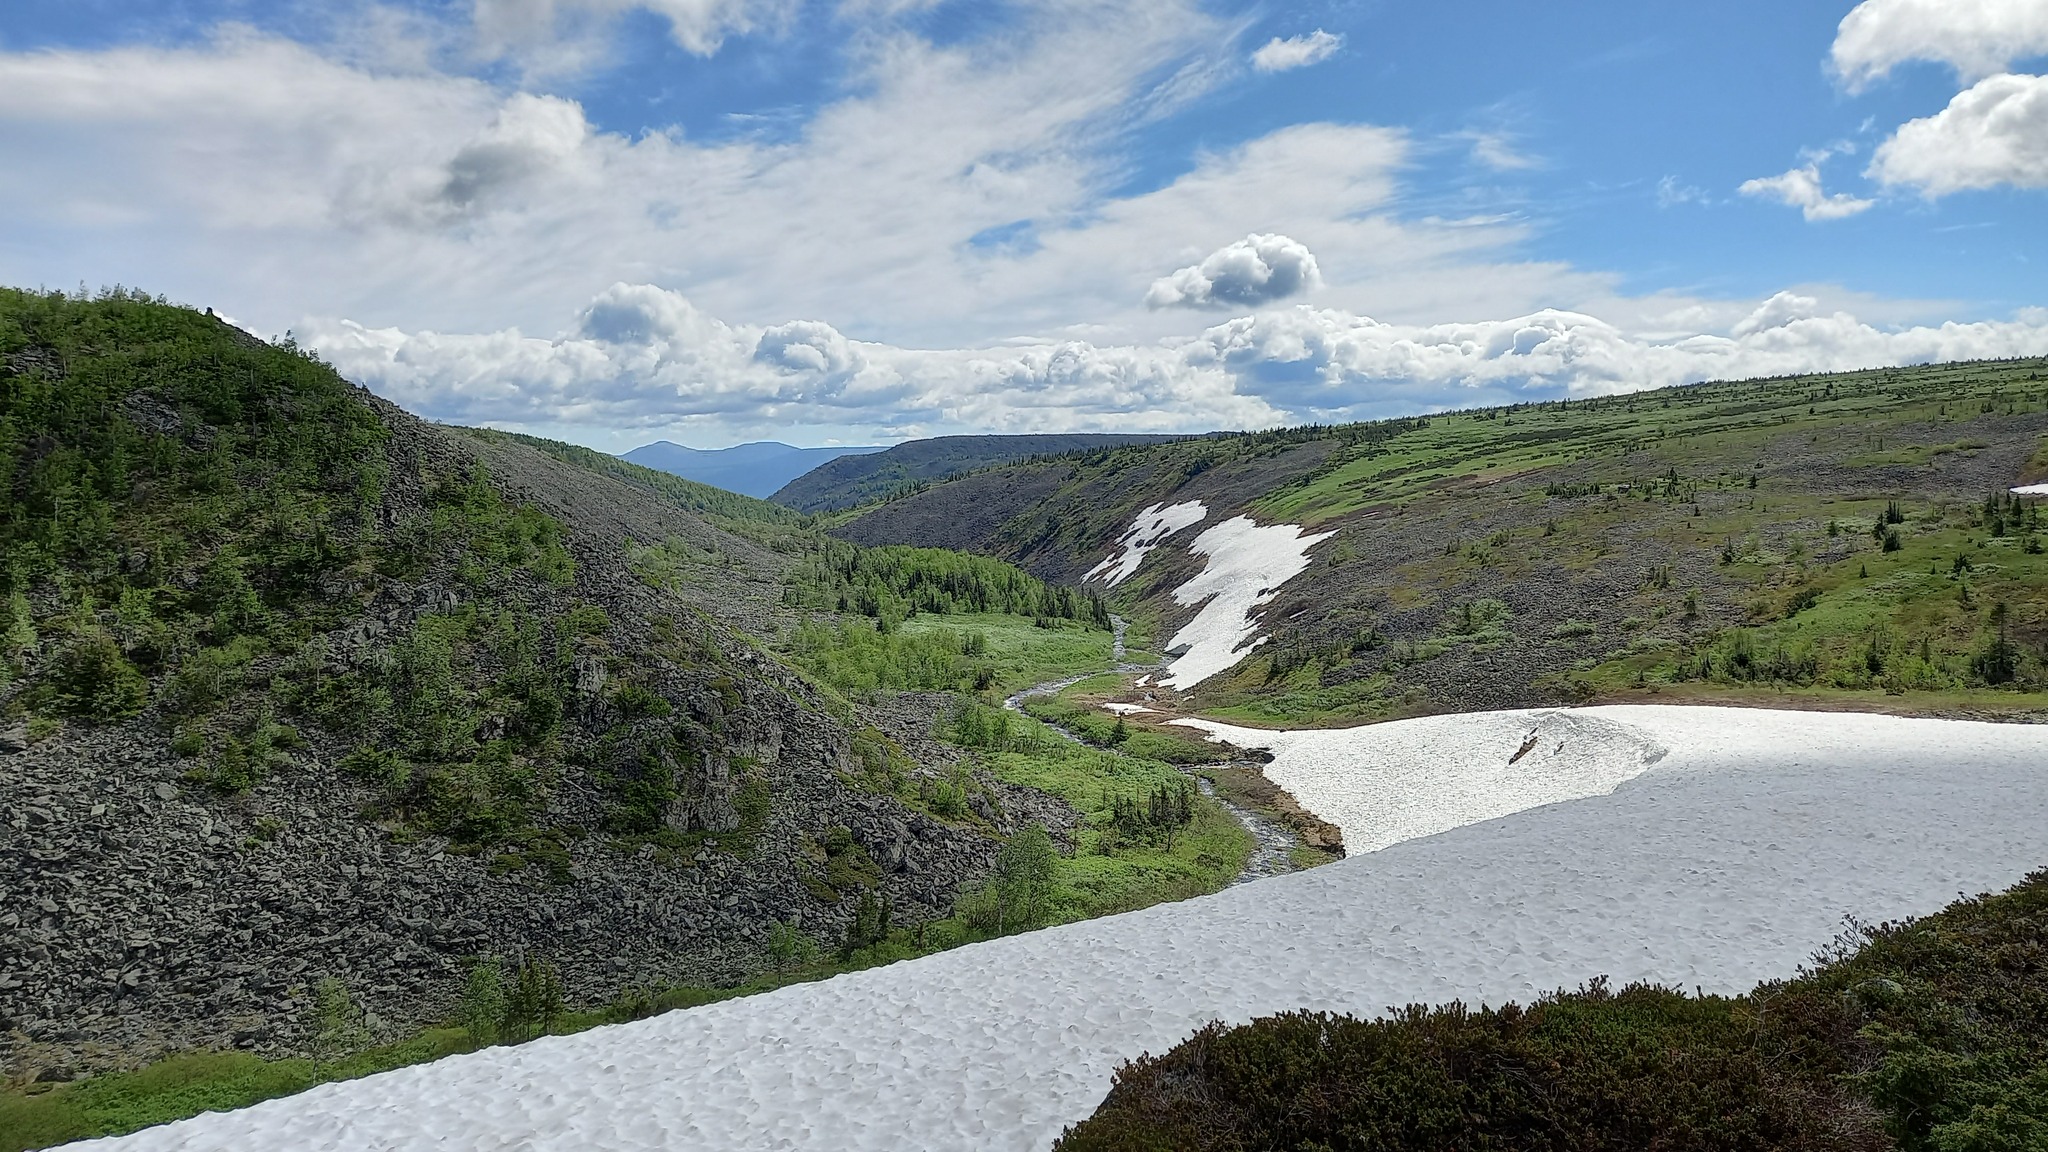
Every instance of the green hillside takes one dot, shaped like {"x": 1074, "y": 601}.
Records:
{"x": 853, "y": 480}
{"x": 318, "y": 723}
{"x": 1720, "y": 541}
{"x": 729, "y": 508}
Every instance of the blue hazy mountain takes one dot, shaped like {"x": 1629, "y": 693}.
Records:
{"x": 756, "y": 469}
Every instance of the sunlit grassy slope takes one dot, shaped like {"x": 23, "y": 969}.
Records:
{"x": 1714, "y": 541}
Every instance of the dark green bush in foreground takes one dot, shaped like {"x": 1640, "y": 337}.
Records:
{"x": 1931, "y": 1036}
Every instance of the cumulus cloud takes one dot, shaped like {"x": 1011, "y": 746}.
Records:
{"x": 1993, "y": 133}
{"x": 1801, "y": 188}
{"x": 1976, "y": 37}
{"x": 1278, "y": 55}
{"x": 1327, "y": 364}
{"x": 530, "y": 136}
{"x": 642, "y": 357}
{"x": 1255, "y": 271}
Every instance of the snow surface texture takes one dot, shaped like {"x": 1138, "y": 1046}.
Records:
{"x": 1385, "y": 783}
{"x": 1730, "y": 860}
{"x": 1247, "y": 566}
{"x": 1153, "y": 525}
{"x": 2032, "y": 490}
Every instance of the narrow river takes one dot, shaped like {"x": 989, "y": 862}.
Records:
{"x": 1272, "y": 841}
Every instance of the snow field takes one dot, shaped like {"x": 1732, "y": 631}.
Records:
{"x": 1385, "y": 783}
{"x": 1247, "y": 566}
{"x": 1153, "y": 525}
{"x": 1127, "y": 709}
{"x": 2032, "y": 490}
{"x": 1726, "y": 861}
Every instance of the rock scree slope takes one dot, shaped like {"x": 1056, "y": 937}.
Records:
{"x": 297, "y": 687}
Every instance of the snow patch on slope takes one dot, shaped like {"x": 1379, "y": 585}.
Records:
{"x": 1729, "y": 861}
{"x": 1153, "y": 525}
{"x": 1247, "y": 566}
{"x": 1385, "y": 783}
{"x": 2032, "y": 490}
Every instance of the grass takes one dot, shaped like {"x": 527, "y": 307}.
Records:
{"x": 1072, "y": 710}
{"x": 1021, "y": 653}
{"x": 1701, "y": 430}
{"x": 187, "y": 1085}
{"x": 1112, "y": 873}
{"x": 1874, "y": 625}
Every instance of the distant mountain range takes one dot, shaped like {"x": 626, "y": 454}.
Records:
{"x": 849, "y": 481}
{"x": 756, "y": 469}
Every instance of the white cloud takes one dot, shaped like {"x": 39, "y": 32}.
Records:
{"x": 1325, "y": 364}
{"x": 564, "y": 35}
{"x": 639, "y": 357}
{"x": 530, "y": 137}
{"x": 1801, "y": 188}
{"x": 1496, "y": 150}
{"x": 1977, "y": 37}
{"x": 1671, "y": 193}
{"x": 440, "y": 201}
{"x": 1278, "y": 55}
{"x": 421, "y": 224}
{"x": 642, "y": 357}
{"x": 1257, "y": 270}
{"x": 1993, "y": 133}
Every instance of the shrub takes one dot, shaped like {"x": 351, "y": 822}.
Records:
{"x": 208, "y": 676}
{"x": 1998, "y": 662}
{"x": 636, "y": 702}
{"x": 338, "y": 1020}
{"x": 19, "y": 633}
{"x": 496, "y": 1011}
{"x": 533, "y": 1004}
{"x": 483, "y": 1003}
{"x": 379, "y": 766}
{"x": 1928, "y": 1036}
{"x": 91, "y": 679}
{"x": 583, "y": 620}
{"x": 1647, "y": 1068}
{"x": 790, "y": 947}
{"x": 1023, "y": 877}
{"x": 870, "y": 924}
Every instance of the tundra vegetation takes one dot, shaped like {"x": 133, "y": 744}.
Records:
{"x": 1845, "y": 540}
{"x": 1929, "y": 1035}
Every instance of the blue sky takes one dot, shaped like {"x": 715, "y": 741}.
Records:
{"x": 834, "y": 220}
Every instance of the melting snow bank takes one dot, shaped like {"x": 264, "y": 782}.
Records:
{"x": 1152, "y": 525}
{"x": 1385, "y": 783}
{"x": 1247, "y": 566}
{"x": 2032, "y": 490}
{"x": 1727, "y": 861}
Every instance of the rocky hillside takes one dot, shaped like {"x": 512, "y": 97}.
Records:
{"x": 852, "y": 480}
{"x": 1849, "y": 539}
{"x": 296, "y": 689}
